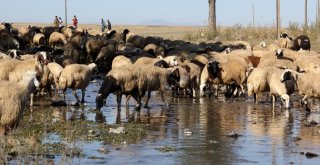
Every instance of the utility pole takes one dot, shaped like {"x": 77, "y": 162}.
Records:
{"x": 278, "y": 17}
{"x": 318, "y": 13}
{"x": 253, "y": 23}
{"x": 306, "y": 14}
{"x": 65, "y": 13}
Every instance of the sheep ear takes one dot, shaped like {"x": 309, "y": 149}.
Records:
{"x": 39, "y": 57}
{"x": 182, "y": 59}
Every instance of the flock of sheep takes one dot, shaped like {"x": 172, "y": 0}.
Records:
{"x": 40, "y": 60}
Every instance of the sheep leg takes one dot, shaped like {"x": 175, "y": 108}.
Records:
{"x": 137, "y": 97}
{"x": 216, "y": 88}
{"x": 202, "y": 86}
{"x": 304, "y": 101}
{"x": 242, "y": 90}
{"x": 255, "y": 98}
{"x": 31, "y": 99}
{"x": 175, "y": 92}
{"x": 49, "y": 90}
{"x": 75, "y": 95}
{"x": 235, "y": 91}
{"x": 273, "y": 101}
{"x": 148, "y": 98}
{"x": 192, "y": 87}
{"x": 191, "y": 90}
{"x": 119, "y": 96}
{"x": 64, "y": 93}
{"x": 162, "y": 97}
{"x": 127, "y": 100}
{"x": 83, "y": 91}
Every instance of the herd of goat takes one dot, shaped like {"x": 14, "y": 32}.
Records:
{"x": 46, "y": 59}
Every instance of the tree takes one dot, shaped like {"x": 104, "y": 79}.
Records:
{"x": 212, "y": 16}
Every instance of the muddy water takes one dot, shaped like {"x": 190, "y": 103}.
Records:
{"x": 197, "y": 131}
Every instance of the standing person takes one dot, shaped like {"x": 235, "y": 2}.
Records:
{"x": 109, "y": 25}
{"x": 60, "y": 22}
{"x": 75, "y": 21}
{"x": 103, "y": 25}
{"x": 56, "y": 22}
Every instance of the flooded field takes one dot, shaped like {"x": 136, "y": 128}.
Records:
{"x": 187, "y": 131}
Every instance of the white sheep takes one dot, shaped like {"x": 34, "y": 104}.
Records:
{"x": 55, "y": 71}
{"x": 13, "y": 70}
{"x": 284, "y": 43}
{"x": 170, "y": 60}
{"x": 307, "y": 85}
{"x": 24, "y": 30}
{"x": 11, "y": 54}
{"x": 225, "y": 72}
{"x": 13, "y": 100}
{"x": 68, "y": 32}
{"x": 184, "y": 82}
{"x": 273, "y": 80}
{"x": 120, "y": 80}
{"x": 136, "y": 81}
{"x": 120, "y": 60}
{"x": 57, "y": 39}
{"x": 39, "y": 39}
{"x": 277, "y": 59}
{"x": 194, "y": 73}
{"x": 308, "y": 61}
{"x": 76, "y": 76}
{"x": 153, "y": 78}
{"x": 273, "y": 47}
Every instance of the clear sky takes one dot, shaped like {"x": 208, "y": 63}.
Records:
{"x": 170, "y": 12}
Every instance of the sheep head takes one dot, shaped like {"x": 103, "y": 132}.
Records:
{"x": 100, "y": 101}
{"x": 213, "y": 69}
{"x": 263, "y": 44}
{"x": 284, "y": 35}
{"x": 174, "y": 76}
{"x": 108, "y": 86}
{"x": 286, "y": 99}
{"x": 92, "y": 66}
{"x": 41, "y": 58}
{"x": 126, "y": 31}
{"x": 13, "y": 53}
{"x": 30, "y": 76}
{"x": 286, "y": 75}
{"x": 162, "y": 64}
{"x": 279, "y": 54}
{"x": 172, "y": 61}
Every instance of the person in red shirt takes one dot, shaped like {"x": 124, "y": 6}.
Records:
{"x": 75, "y": 22}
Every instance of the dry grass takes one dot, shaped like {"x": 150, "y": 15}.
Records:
{"x": 253, "y": 35}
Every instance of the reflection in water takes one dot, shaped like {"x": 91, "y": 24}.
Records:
{"x": 266, "y": 137}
